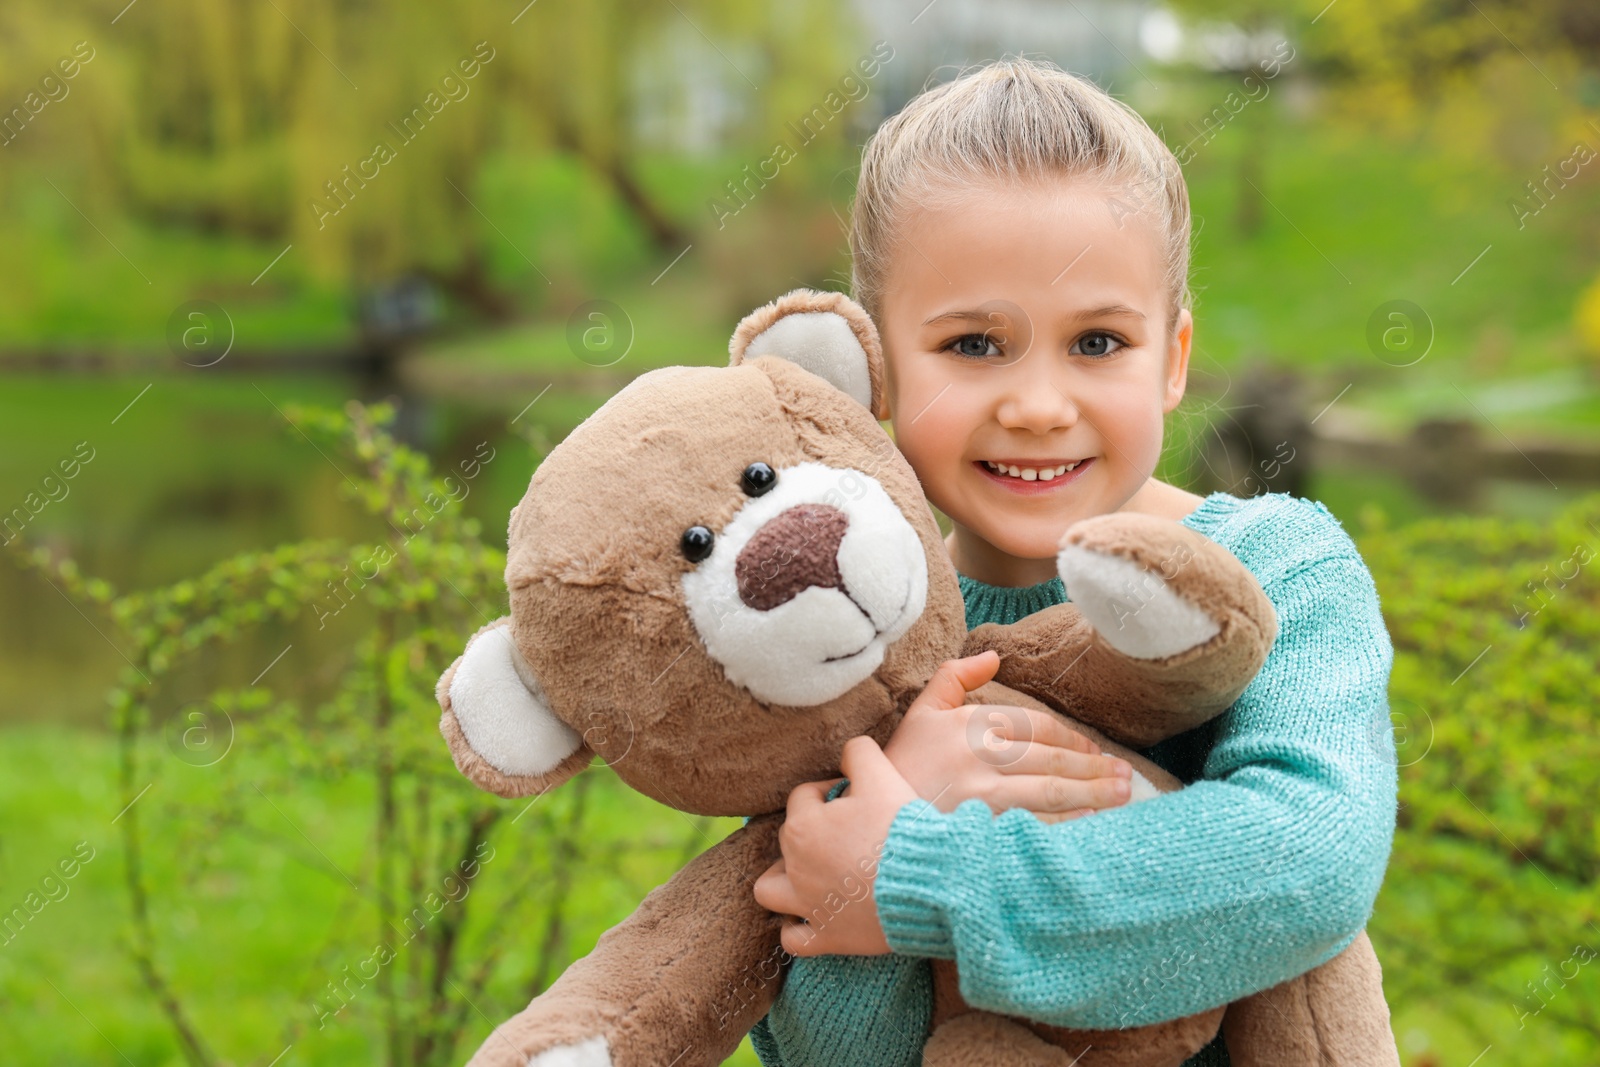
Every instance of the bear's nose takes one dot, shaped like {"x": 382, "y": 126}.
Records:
{"x": 790, "y": 553}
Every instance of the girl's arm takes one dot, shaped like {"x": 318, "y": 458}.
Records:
{"x": 1264, "y": 868}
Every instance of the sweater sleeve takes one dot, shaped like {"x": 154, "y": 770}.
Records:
{"x": 1265, "y": 867}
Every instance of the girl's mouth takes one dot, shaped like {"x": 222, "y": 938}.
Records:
{"x": 1030, "y": 481}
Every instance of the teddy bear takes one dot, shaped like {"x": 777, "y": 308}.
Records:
{"x": 727, "y": 572}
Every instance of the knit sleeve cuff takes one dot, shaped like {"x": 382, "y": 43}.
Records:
{"x": 918, "y": 875}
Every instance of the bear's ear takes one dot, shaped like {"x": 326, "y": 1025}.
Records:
{"x": 828, "y": 334}
{"x": 498, "y": 723}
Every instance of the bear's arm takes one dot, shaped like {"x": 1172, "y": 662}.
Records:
{"x": 1165, "y": 630}
{"x": 680, "y": 981}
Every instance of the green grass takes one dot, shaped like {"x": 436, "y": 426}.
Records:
{"x": 1351, "y": 223}
{"x": 251, "y": 920}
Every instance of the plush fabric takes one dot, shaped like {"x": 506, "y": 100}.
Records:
{"x": 1160, "y": 624}
{"x": 495, "y": 683}
{"x": 723, "y": 575}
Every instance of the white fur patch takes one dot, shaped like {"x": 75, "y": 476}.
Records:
{"x": 821, "y": 642}
{"x": 823, "y": 343}
{"x": 1130, "y": 607}
{"x": 503, "y": 712}
{"x": 1141, "y": 789}
{"x": 591, "y": 1053}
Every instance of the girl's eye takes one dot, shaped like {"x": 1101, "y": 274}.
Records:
{"x": 973, "y": 346}
{"x": 1096, "y": 344}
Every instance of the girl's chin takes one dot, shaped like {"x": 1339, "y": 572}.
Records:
{"x": 1038, "y": 543}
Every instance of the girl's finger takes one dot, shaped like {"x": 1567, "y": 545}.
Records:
{"x": 864, "y": 763}
{"x": 1050, "y": 730}
{"x": 1031, "y": 724}
{"x": 1045, "y": 793}
{"x": 949, "y": 685}
{"x": 808, "y": 795}
{"x": 798, "y": 939}
{"x": 775, "y": 892}
{"x": 1033, "y": 758}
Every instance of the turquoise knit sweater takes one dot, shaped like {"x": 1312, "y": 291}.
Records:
{"x": 1266, "y": 864}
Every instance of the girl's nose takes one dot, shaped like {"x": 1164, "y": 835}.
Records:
{"x": 1033, "y": 402}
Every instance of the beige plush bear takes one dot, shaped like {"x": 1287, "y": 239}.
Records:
{"x": 723, "y": 575}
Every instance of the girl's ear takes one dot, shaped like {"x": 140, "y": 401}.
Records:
{"x": 1178, "y": 360}
{"x": 828, "y": 334}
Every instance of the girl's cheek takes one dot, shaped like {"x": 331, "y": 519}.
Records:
{"x": 933, "y": 449}
{"x": 1145, "y": 439}
{"x": 921, "y": 451}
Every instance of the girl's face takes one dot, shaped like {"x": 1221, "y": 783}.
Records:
{"x": 1027, "y": 328}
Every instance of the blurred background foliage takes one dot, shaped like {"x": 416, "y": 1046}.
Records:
{"x": 423, "y": 235}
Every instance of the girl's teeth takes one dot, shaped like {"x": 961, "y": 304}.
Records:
{"x": 1031, "y": 474}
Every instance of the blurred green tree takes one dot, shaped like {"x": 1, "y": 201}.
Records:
{"x": 358, "y": 131}
{"x": 1497, "y": 80}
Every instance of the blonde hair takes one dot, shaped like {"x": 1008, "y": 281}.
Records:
{"x": 1015, "y": 118}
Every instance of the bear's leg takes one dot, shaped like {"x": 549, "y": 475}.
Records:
{"x": 1333, "y": 1015}
{"x": 969, "y": 1036}
{"x": 982, "y": 1039}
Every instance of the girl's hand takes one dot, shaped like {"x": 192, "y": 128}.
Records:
{"x": 1008, "y": 757}
{"x": 945, "y": 751}
{"x": 830, "y": 858}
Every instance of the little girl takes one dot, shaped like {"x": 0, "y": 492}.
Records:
{"x": 1022, "y": 241}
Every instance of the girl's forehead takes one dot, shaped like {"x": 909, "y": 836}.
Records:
{"x": 1079, "y": 244}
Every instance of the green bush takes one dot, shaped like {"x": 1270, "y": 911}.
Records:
{"x": 1486, "y": 922}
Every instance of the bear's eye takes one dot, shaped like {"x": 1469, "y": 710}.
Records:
{"x": 696, "y": 543}
{"x": 757, "y": 479}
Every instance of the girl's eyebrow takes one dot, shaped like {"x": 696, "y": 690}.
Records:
{"x": 1109, "y": 311}
{"x": 992, "y": 315}
{"x": 972, "y": 315}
